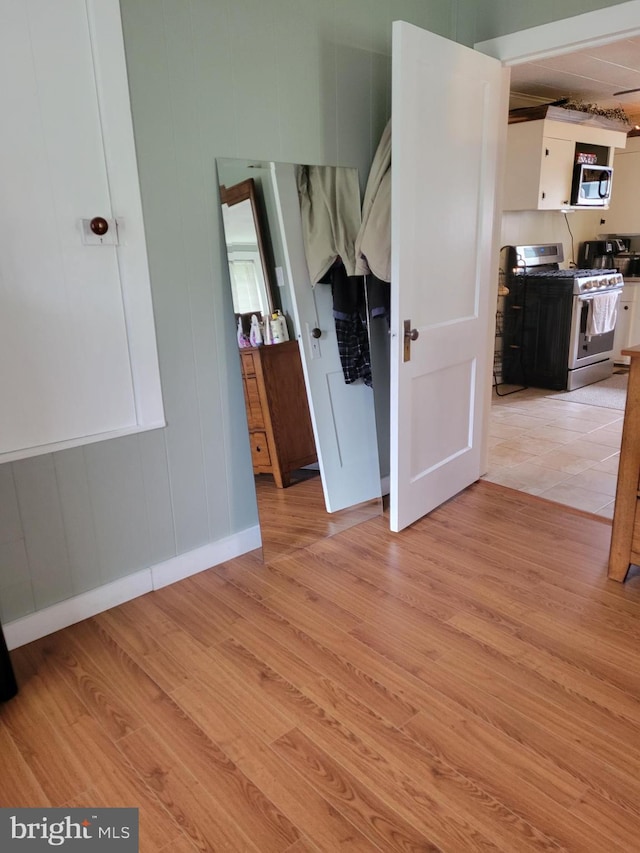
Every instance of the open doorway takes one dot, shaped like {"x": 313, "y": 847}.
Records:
{"x": 540, "y": 441}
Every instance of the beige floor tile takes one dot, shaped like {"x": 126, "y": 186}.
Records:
{"x": 532, "y": 409}
{"x": 505, "y": 457}
{"x": 569, "y": 410}
{"x": 607, "y": 510}
{"x": 554, "y": 433}
{"x": 504, "y": 476}
{"x": 565, "y": 460}
{"x": 614, "y": 428}
{"x": 598, "y": 415}
{"x": 499, "y": 412}
{"x": 577, "y": 497}
{"x": 504, "y": 431}
{"x": 566, "y": 452}
{"x": 605, "y": 436}
{"x": 590, "y": 450}
{"x": 595, "y": 481}
{"x": 574, "y": 423}
{"x": 524, "y": 422}
{"x": 532, "y": 475}
{"x": 532, "y": 446}
{"x": 610, "y": 465}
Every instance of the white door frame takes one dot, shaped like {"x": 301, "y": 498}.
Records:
{"x": 590, "y": 29}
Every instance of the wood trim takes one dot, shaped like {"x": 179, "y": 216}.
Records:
{"x": 624, "y": 518}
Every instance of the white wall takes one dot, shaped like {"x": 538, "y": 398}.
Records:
{"x": 523, "y": 227}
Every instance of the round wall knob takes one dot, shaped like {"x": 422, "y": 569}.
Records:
{"x": 316, "y": 333}
{"x": 99, "y": 225}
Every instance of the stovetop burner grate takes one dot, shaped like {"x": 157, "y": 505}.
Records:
{"x": 570, "y": 273}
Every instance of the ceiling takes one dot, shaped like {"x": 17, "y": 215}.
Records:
{"x": 591, "y": 75}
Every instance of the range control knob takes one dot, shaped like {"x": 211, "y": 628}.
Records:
{"x": 587, "y": 284}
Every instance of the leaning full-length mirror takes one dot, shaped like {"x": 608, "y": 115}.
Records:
{"x": 312, "y": 428}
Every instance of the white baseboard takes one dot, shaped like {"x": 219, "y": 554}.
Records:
{"x": 65, "y": 613}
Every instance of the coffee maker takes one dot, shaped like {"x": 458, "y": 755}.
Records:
{"x": 600, "y": 254}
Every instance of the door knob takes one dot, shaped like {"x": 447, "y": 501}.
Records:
{"x": 316, "y": 333}
{"x": 409, "y": 335}
{"x": 99, "y": 225}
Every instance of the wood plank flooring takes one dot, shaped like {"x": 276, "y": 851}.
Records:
{"x": 303, "y": 507}
{"x": 471, "y": 684}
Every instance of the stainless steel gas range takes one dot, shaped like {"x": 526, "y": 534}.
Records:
{"x": 559, "y": 324}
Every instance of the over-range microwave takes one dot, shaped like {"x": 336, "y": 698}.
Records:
{"x": 591, "y": 185}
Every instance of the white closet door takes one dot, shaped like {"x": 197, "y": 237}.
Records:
{"x": 65, "y": 367}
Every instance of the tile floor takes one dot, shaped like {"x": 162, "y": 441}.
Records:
{"x": 566, "y": 452}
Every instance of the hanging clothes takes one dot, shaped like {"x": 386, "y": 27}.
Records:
{"x": 350, "y": 318}
{"x": 373, "y": 242}
{"x": 330, "y": 209}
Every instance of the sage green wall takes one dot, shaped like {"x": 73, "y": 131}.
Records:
{"x": 290, "y": 80}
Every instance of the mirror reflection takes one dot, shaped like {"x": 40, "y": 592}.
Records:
{"x": 313, "y": 437}
{"x": 248, "y": 266}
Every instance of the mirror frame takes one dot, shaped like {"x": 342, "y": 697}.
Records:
{"x": 246, "y": 191}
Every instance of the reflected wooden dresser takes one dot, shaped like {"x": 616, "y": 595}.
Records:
{"x": 625, "y": 535}
{"x": 275, "y": 397}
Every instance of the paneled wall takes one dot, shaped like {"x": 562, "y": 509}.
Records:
{"x": 289, "y": 80}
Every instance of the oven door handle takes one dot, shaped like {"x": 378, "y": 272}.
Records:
{"x": 587, "y": 297}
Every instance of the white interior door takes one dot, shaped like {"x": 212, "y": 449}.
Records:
{"x": 449, "y": 124}
{"x": 343, "y": 416}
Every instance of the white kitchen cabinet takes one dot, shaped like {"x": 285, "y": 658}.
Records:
{"x": 623, "y": 216}
{"x": 624, "y": 324}
{"x": 540, "y": 158}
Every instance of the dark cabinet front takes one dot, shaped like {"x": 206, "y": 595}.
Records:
{"x": 537, "y": 324}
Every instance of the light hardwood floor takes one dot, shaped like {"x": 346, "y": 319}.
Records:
{"x": 471, "y": 684}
